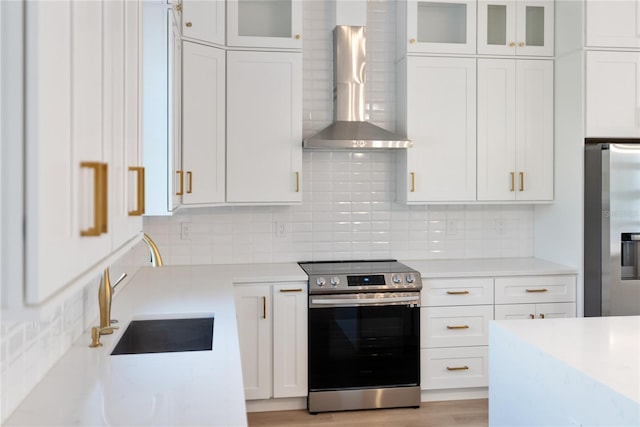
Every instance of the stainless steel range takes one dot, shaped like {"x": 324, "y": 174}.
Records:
{"x": 364, "y": 335}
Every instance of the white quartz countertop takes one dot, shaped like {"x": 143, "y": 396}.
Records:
{"x": 487, "y": 267}
{"x": 606, "y": 349}
{"x": 88, "y": 386}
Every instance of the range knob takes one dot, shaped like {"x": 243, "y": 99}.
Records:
{"x": 320, "y": 281}
{"x": 409, "y": 278}
{"x": 335, "y": 281}
{"x": 396, "y": 279}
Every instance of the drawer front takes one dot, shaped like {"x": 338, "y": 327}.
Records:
{"x": 455, "y": 326}
{"x": 458, "y": 291}
{"x": 534, "y": 289}
{"x": 457, "y": 367}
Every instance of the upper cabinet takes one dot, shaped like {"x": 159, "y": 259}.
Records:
{"x": 264, "y": 24}
{"x": 515, "y": 130}
{"x": 203, "y": 20}
{"x": 522, "y": 27}
{"x": 264, "y": 127}
{"x": 445, "y": 26}
{"x": 613, "y": 23}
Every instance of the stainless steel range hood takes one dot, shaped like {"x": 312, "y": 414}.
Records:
{"x": 350, "y": 130}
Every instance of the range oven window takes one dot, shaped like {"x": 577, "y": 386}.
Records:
{"x": 362, "y": 347}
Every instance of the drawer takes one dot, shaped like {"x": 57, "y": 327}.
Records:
{"x": 455, "y": 326}
{"x": 457, "y": 367}
{"x": 534, "y": 289}
{"x": 457, "y": 291}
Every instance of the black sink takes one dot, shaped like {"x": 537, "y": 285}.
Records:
{"x": 166, "y": 336}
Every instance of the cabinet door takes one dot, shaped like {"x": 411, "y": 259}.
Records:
{"x": 515, "y": 311}
{"x": 203, "y": 20}
{"x": 556, "y": 310}
{"x": 290, "y": 340}
{"x": 445, "y": 26}
{"x": 203, "y": 124}
{"x": 253, "y": 313}
{"x": 516, "y": 27}
{"x": 613, "y": 94}
{"x": 441, "y": 122}
{"x": 534, "y": 130}
{"x": 496, "y": 129}
{"x": 264, "y": 127}
{"x": 613, "y": 23}
{"x": 174, "y": 102}
{"x": 264, "y": 23}
{"x": 63, "y": 127}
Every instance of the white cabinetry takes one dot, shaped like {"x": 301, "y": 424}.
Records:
{"x": 272, "y": 327}
{"x": 535, "y": 297}
{"x": 444, "y": 26}
{"x": 515, "y": 130}
{"x": 613, "y": 23}
{"x": 521, "y": 27}
{"x": 613, "y": 94}
{"x": 264, "y": 24}
{"x": 201, "y": 180}
{"x": 204, "y": 20}
{"x": 264, "y": 126}
{"x": 437, "y": 111}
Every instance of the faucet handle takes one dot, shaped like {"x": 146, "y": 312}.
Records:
{"x": 97, "y": 331}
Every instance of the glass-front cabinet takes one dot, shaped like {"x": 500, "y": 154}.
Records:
{"x": 443, "y": 26}
{"x": 522, "y": 28}
{"x": 264, "y": 23}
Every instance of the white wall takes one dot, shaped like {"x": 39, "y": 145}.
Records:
{"x": 348, "y": 209}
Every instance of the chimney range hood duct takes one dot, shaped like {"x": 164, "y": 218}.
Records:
{"x": 349, "y": 129}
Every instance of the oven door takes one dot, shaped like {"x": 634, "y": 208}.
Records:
{"x": 364, "y": 341}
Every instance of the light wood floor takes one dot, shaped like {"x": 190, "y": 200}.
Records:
{"x": 458, "y": 413}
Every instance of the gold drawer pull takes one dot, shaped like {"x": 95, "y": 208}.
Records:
{"x": 512, "y": 44}
{"x": 298, "y": 36}
{"x": 533, "y": 316}
{"x": 291, "y": 290}
{"x": 537, "y": 290}
{"x": 412, "y": 41}
{"x": 190, "y": 180}
{"x": 457, "y": 292}
{"x": 513, "y": 181}
{"x": 458, "y": 327}
{"x": 139, "y": 190}
{"x": 521, "y": 181}
{"x": 521, "y": 44}
{"x": 180, "y": 192}
{"x": 542, "y": 315}
{"x": 189, "y": 24}
{"x": 457, "y": 368}
{"x": 100, "y": 199}
{"x": 297, "y": 182}
{"x": 413, "y": 182}
{"x": 264, "y": 307}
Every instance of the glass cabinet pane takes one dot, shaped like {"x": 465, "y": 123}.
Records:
{"x": 442, "y": 22}
{"x": 535, "y": 26}
{"x": 497, "y": 24}
{"x": 264, "y": 18}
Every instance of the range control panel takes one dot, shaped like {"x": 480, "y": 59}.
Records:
{"x": 383, "y": 282}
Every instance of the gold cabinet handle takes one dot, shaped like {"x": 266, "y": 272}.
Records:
{"x": 521, "y": 44}
{"x": 521, "y": 181}
{"x": 513, "y": 181}
{"x": 297, "y": 182}
{"x": 412, "y": 41}
{"x": 189, "y": 24}
{"x": 100, "y": 195}
{"x": 413, "y": 182}
{"x": 291, "y": 290}
{"x": 457, "y": 292}
{"x": 105, "y": 197}
{"x": 179, "y": 7}
{"x": 264, "y": 307}
{"x": 190, "y": 181}
{"x": 298, "y": 36}
{"x": 536, "y": 290}
{"x": 541, "y": 315}
{"x": 180, "y": 192}
{"x": 512, "y": 44}
{"x": 532, "y": 316}
{"x": 457, "y": 326}
{"x": 139, "y": 170}
{"x": 457, "y": 368}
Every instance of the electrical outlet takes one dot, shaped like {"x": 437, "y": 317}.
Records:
{"x": 281, "y": 229}
{"x": 501, "y": 226}
{"x": 185, "y": 231}
{"x": 452, "y": 227}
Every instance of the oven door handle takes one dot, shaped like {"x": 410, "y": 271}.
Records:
{"x": 336, "y": 302}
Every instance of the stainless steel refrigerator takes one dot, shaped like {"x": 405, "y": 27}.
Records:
{"x": 612, "y": 227}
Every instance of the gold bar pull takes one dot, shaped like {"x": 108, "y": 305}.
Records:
{"x": 541, "y": 315}
{"x": 297, "y": 182}
{"x": 457, "y": 368}
{"x": 532, "y": 316}
{"x": 139, "y": 170}
{"x": 457, "y": 292}
{"x": 190, "y": 181}
{"x": 104, "y": 174}
{"x": 521, "y": 44}
{"x": 513, "y": 181}
{"x": 413, "y": 182}
{"x": 97, "y": 199}
{"x": 264, "y": 307}
{"x": 180, "y": 192}
{"x": 291, "y": 290}
{"x": 521, "y": 181}
{"x": 537, "y": 290}
{"x": 458, "y": 327}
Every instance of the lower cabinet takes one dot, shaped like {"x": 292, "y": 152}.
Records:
{"x": 272, "y": 328}
{"x": 454, "y": 367}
